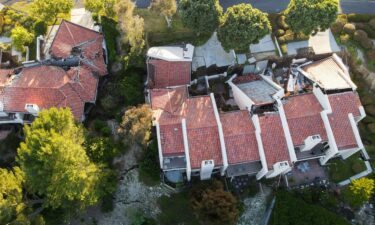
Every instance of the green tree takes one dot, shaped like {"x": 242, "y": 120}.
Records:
{"x": 131, "y": 87}
{"x": 167, "y": 8}
{"x": 213, "y": 204}
{"x": 292, "y": 210}
{"x": 55, "y": 163}
{"x": 47, "y": 10}
{"x": 200, "y": 15}
{"x": 101, "y": 7}
{"x": 243, "y": 25}
{"x": 131, "y": 27}
{"x": 21, "y": 37}
{"x": 136, "y": 124}
{"x": 360, "y": 191}
{"x": 11, "y": 200}
{"x": 309, "y": 16}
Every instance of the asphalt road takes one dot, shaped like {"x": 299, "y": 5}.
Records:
{"x": 270, "y": 6}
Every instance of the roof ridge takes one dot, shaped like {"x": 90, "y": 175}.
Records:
{"x": 78, "y": 25}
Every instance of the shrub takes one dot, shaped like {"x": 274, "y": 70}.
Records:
{"x": 344, "y": 38}
{"x": 370, "y": 32}
{"x": 360, "y": 35}
{"x": 281, "y": 40}
{"x": 366, "y": 43}
{"x": 352, "y": 17}
{"x": 371, "y": 54}
{"x": 99, "y": 124}
{"x": 132, "y": 86}
{"x": 357, "y": 167}
{"x": 149, "y": 171}
{"x": 337, "y": 27}
{"x": 359, "y": 26}
{"x": 281, "y": 22}
{"x": 280, "y": 32}
{"x": 372, "y": 23}
{"x": 349, "y": 28}
{"x": 284, "y": 48}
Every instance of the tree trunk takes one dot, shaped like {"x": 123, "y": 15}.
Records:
{"x": 169, "y": 21}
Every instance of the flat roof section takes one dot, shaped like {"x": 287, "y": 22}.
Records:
{"x": 257, "y": 89}
{"x": 328, "y": 74}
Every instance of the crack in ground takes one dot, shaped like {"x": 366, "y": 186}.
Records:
{"x": 126, "y": 171}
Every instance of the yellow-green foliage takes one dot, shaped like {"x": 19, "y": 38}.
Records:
{"x": 363, "y": 187}
{"x": 360, "y": 191}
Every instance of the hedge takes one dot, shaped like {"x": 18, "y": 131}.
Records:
{"x": 372, "y": 23}
{"x": 371, "y": 54}
{"x": 360, "y": 17}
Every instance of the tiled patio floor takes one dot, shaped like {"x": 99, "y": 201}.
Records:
{"x": 315, "y": 173}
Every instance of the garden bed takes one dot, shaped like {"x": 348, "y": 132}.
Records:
{"x": 340, "y": 169}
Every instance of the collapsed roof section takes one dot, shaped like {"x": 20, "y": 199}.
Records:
{"x": 75, "y": 40}
{"x": 329, "y": 73}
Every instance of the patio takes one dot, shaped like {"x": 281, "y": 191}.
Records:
{"x": 307, "y": 173}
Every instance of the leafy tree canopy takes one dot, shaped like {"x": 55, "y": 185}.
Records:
{"x": 213, "y": 204}
{"x": 47, "y": 10}
{"x": 311, "y": 15}
{"x": 10, "y": 194}
{"x": 200, "y": 15}
{"x": 101, "y": 7}
{"x": 21, "y": 37}
{"x": 131, "y": 27}
{"x": 165, "y": 7}
{"x": 55, "y": 163}
{"x": 243, "y": 25}
{"x": 136, "y": 124}
{"x": 294, "y": 211}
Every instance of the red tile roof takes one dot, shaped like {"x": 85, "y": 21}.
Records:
{"x": 172, "y": 142}
{"x": 202, "y": 131}
{"x": 169, "y": 100}
{"x": 342, "y": 104}
{"x": 273, "y": 139}
{"x": 70, "y": 35}
{"x": 167, "y": 74}
{"x": 304, "y": 119}
{"x": 246, "y": 78}
{"x": 239, "y": 136}
{"x": 201, "y": 125}
{"x": 5, "y": 76}
{"x": 50, "y": 86}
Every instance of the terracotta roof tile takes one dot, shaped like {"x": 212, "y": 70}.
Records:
{"x": 167, "y": 74}
{"x": 71, "y": 35}
{"x": 342, "y": 104}
{"x": 273, "y": 139}
{"x": 5, "y": 76}
{"x": 171, "y": 139}
{"x": 50, "y": 86}
{"x": 169, "y": 100}
{"x": 204, "y": 144}
{"x": 239, "y": 136}
{"x": 246, "y": 78}
{"x": 304, "y": 119}
{"x": 201, "y": 125}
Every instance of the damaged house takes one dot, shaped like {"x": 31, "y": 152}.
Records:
{"x": 67, "y": 76}
{"x": 276, "y": 126}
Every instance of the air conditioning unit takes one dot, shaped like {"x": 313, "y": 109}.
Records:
{"x": 207, "y": 167}
{"x": 32, "y": 108}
